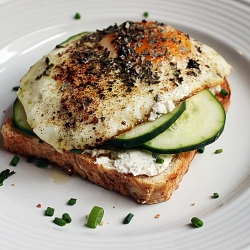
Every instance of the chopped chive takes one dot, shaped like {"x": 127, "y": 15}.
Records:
{"x": 215, "y": 195}
{"x": 66, "y": 217}
{"x": 5, "y": 174}
{"x": 128, "y": 218}
{"x": 42, "y": 164}
{"x": 159, "y": 160}
{"x": 77, "y": 16}
{"x": 201, "y": 150}
{"x": 196, "y": 222}
{"x": 218, "y": 151}
{"x": 224, "y": 92}
{"x": 49, "y": 211}
{"x": 59, "y": 221}
{"x": 95, "y": 217}
{"x": 72, "y": 201}
{"x": 16, "y": 88}
{"x": 30, "y": 159}
{"x": 145, "y": 14}
{"x": 14, "y": 161}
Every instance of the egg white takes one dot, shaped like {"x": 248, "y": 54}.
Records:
{"x": 42, "y": 96}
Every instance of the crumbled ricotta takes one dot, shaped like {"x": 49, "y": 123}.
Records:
{"x": 161, "y": 108}
{"x": 102, "y": 160}
{"x": 215, "y": 90}
{"x": 136, "y": 162}
{"x": 96, "y": 152}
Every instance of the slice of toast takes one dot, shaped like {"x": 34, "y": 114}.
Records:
{"x": 144, "y": 189}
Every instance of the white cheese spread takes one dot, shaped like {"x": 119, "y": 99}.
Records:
{"x": 166, "y": 103}
{"x": 136, "y": 162}
{"x": 215, "y": 90}
{"x": 161, "y": 108}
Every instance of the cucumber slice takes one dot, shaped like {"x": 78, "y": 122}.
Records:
{"x": 20, "y": 117}
{"x": 149, "y": 130}
{"x": 75, "y": 37}
{"x": 201, "y": 124}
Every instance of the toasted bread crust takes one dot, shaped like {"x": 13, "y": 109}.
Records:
{"x": 225, "y": 100}
{"x": 144, "y": 189}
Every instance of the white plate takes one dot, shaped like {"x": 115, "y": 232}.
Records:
{"x": 29, "y": 29}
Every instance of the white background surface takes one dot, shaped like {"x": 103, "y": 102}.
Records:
{"x": 29, "y": 29}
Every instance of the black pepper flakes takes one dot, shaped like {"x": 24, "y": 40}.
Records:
{"x": 68, "y": 125}
{"x": 157, "y": 98}
{"x": 180, "y": 79}
{"x": 192, "y": 64}
{"x": 191, "y": 73}
{"x": 58, "y": 46}
{"x": 38, "y": 77}
{"x": 87, "y": 101}
{"x": 101, "y": 96}
{"x": 198, "y": 49}
{"x": 47, "y": 60}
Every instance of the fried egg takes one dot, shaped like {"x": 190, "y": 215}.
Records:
{"x": 89, "y": 90}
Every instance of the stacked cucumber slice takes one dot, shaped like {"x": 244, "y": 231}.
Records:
{"x": 193, "y": 124}
{"x": 149, "y": 130}
{"x": 200, "y": 124}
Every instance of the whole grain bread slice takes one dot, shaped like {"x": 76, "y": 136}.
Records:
{"x": 142, "y": 188}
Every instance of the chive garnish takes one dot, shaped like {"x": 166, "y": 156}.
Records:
{"x": 77, "y": 16}
{"x": 49, "y": 211}
{"x": 72, "y": 201}
{"x": 128, "y": 218}
{"x": 159, "y": 160}
{"x": 224, "y": 92}
{"x": 196, "y": 222}
{"x": 201, "y": 150}
{"x": 16, "y": 88}
{"x": 30, "y": 159}
{"x": 145, "y": 14}
{"x": 215, "y": 195}
{"x": 4, "y": 175}
{"x": 59, "y": 221}
{"x": 95, "y": 217}
{"x": 14, "y": 161}
{"x": 218, "y": 151}
{"x": 66, "y": 217}
{"x": 42, "y": 164}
